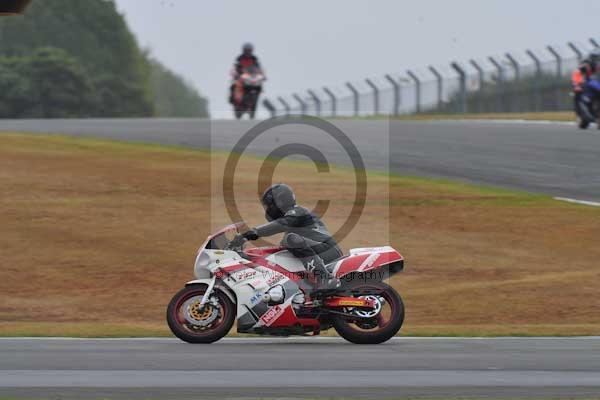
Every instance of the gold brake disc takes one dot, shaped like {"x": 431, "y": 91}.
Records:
{"x": 197, "y": 313}
{"x": 199, "y": 316}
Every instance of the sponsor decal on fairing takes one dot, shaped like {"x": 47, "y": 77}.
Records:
{"x": 271, "y": 315}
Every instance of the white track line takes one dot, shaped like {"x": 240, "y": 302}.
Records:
{"x": 575, "y": 201}
{"x": 500, "y": 121}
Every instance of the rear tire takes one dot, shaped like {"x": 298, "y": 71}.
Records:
{"x": 348, "y": 330}
{"x": 194, "y": 334}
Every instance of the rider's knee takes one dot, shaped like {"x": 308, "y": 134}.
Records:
{"x": 293, "y": 241}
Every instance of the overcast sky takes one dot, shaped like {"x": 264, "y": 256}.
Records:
{"x": 309, "y": 43}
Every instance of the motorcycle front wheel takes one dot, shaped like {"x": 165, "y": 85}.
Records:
{"x": 194, "y": 324}
{"x": 371, "y": 327}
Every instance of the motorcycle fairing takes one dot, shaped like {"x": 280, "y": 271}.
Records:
{"x": 369, "y": 259}
{"x": 253, "y": 312}
{"x": 249, "y": 279}
{"x": 283, "y": 267}
{"x": 246, "y": 279}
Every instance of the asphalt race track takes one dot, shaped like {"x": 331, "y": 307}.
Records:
{"x": 550, "y": 158}
{"x": 299, "y": 367}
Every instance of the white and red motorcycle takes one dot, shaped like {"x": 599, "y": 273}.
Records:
{"x": 270, "y": 293}
{"x": 246, "y": 90}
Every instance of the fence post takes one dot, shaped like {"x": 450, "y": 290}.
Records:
{"x": 463, "y": 87}
{"x": 356, "y": 98}
{"x": 333, "y": 100}
{"x": 301, "y": 102}
{"x": 499, "y": 85}
{"x": 537, "y": 80}
{"x": 396, "y": 87}
{"x": 594, "y": 42}
{"x": 480, "y": 73}
{"x": 375, "y": 95}
{"x": 515, "y": 65}
{"x": 270, "y": 107}
{"x": 481, "y": 78}
{"x": 417, "y": 81}
{"x": 576, "y": 50}
{"x": 285, "y": 105}
{"x": 558, "y": 60}
{"x": 440, "y": 86}
{"x": 558, "y": 74}
{"x": 317, "y": 101}
{"x": 516, "y": 103}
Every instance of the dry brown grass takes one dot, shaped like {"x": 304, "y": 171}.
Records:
{"x": 95, "y": 237}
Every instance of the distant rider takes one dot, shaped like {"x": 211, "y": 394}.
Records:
{"x": 586, "y": 69}
{"x": 245, "y": 60}
{"x": 306, "y": 236}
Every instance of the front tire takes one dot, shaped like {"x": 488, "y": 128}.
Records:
{"x": 194, "y": 325}
{"x": 375, "y": 330}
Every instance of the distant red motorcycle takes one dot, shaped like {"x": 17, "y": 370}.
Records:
{"x": 268, "y": 291}
{"x": 246, "y": 90}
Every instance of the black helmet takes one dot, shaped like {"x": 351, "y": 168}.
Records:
{"x": 277, "y": 200}
{"x": 247, "y": 48}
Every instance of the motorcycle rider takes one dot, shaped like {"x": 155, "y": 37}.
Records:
{"x": 586, "y": 69}
{"x": 306, "y": 236}
{"x": 245, "y": 60}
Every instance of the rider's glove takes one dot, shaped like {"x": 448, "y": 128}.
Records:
{"x": 250, "y": 235}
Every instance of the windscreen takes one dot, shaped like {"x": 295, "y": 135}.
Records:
{"x": 220, "y": 241}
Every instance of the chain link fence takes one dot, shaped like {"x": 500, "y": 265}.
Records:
{"x": 531, "y": 81}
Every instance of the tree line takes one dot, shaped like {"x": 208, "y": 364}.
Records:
{"x": 78, "y": 58}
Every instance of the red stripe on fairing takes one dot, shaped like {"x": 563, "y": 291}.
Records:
{"x": 287, "y": 318}
{"x": 234, "y": 268}
{"x": 262, "y": 251}
{"x": 274, "y": 267}
{"x": 386, "y": 258}
{"x": 353, "y": 263}
{"x": 229, "y": 270}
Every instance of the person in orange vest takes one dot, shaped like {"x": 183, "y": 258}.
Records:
{"x": 587, "y": 68}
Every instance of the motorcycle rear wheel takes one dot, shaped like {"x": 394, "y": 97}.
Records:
{"x": 375, "y": 330}
{"x": 185, "y": 301}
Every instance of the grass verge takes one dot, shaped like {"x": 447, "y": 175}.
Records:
{"x": 96, "y": 236}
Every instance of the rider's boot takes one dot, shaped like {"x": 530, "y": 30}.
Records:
{"x": 325, "y": 280}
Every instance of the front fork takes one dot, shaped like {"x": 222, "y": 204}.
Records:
{"x": 210, "y": 283}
